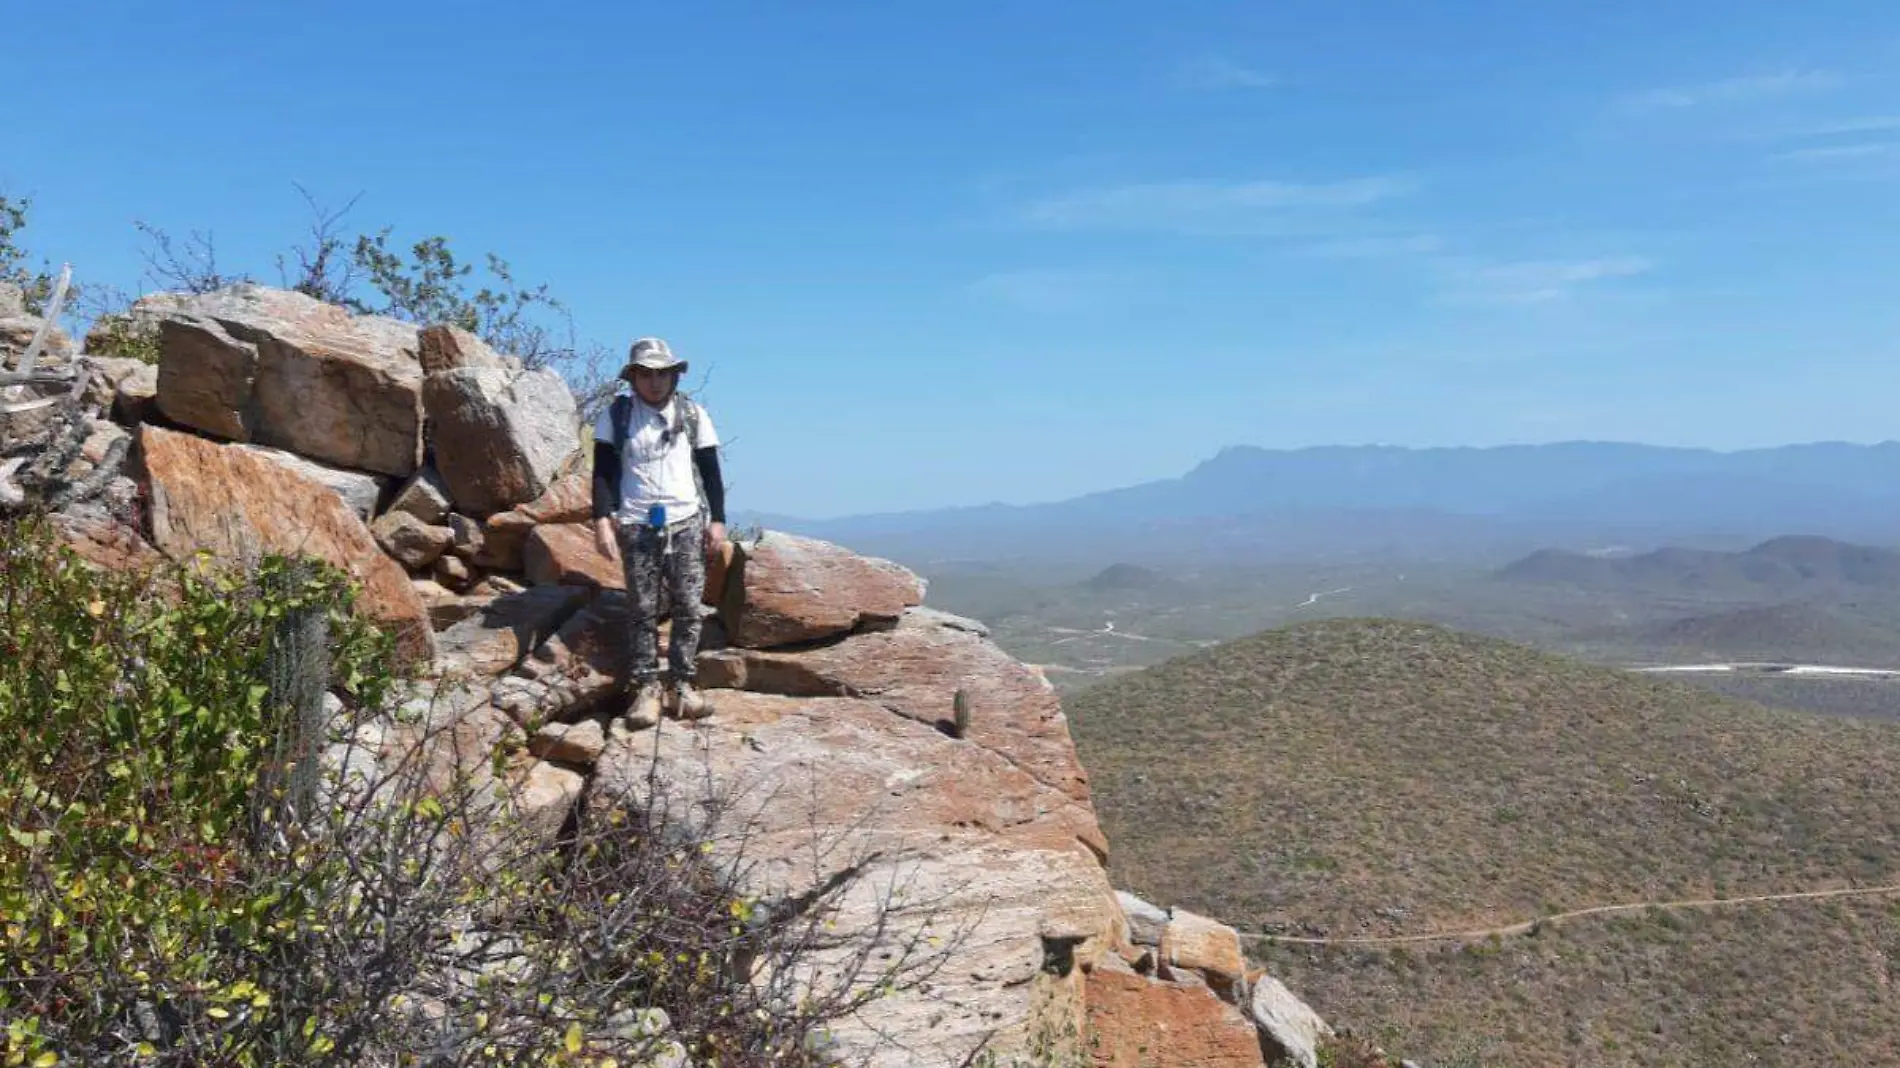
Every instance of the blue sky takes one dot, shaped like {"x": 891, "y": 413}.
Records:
{"x": 956, "y": 253}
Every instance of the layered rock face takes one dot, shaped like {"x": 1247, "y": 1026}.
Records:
{"x": 450, "y": 484}
{"x": 274, "y": 422}
{"x": 281, "y": 369}
{"x": 238, "y": 505}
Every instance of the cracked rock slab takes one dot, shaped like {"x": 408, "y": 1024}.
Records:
{"x": 916, "y": 670}
{"x": 950, "y": 840}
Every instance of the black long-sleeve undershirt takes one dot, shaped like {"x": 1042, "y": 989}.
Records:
{"x": 607, "y": 481}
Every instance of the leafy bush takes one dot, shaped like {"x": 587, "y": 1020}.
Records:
{"x": 119, "y": 334}
{"x": 133, "y": 731}
{"x": 432, "y": 287}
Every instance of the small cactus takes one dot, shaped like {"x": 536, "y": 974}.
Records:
{"x": 960, "y": 714}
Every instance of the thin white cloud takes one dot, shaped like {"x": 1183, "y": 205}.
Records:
{"x": 1833, "y": 144}
{"x": 1867, "y": 124}
{"x": 1056, "y": 290}
{"x": 1216, "y": 72}
{"x": 1205, "y": 206}
{"x": 1537, "y": 281}
{"x": 1842, "y": 153}
{"x": 1377, "y": 248}
{"x": 1772, "y": 86}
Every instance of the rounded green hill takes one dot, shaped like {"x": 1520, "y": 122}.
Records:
{"x": 1368, "y": 777}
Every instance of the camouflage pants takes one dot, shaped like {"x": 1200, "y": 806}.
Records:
{"x": 664, "y": 567}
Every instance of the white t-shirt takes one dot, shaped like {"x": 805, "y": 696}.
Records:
{"x": 656, "y": 467}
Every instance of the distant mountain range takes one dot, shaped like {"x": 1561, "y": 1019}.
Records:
{"x": 1780, "y": 567}
{"x": 1389, "y": 502}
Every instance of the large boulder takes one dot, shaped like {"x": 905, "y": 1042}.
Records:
{"x": 206, "y": 378}
{"x": 12, "y": 301}
{"x": 500, "y": 436}
{"x": 278, "y": 368}
{"x": 238, "y": 505}
{"x": 800, "y": 589}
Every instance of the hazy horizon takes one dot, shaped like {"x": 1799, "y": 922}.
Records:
{"x": 957, "y": 506}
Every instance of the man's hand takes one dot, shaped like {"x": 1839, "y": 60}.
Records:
{"x": 604, "y": 538}
{"x": 715, "y": 539}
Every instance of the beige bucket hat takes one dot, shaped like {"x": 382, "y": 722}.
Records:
{"x": 654, "y": 354}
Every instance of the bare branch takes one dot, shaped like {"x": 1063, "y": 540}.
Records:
{"x": 190, "y": 269}
{"x": 325, "y": 269}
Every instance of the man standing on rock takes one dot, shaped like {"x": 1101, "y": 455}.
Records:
{"x": 660, "y": 505}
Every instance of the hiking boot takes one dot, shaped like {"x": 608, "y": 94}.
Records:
{"x": 688, "y": 703}
{"x": 644, "y": 710}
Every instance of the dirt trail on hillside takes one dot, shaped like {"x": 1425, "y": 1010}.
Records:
{"x": 1528, "y": 926}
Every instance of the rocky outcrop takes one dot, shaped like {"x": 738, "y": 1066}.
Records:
{"x": 986, "y": 861}
{"x": 845, "y": 737}
{"x": 833, "y": 762}
{"x": 317, "y": 395}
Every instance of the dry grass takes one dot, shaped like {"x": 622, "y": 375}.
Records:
{"x": 1355, "y": 778}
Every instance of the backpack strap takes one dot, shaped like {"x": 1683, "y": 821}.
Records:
{"x": 688, "y": 414}
{"x": 619, "y": 413}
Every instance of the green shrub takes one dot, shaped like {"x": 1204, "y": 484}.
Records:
{"x": 161, "y": 904}
{"x": 119, "y": 335}
{"x": 133, "y": 730}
